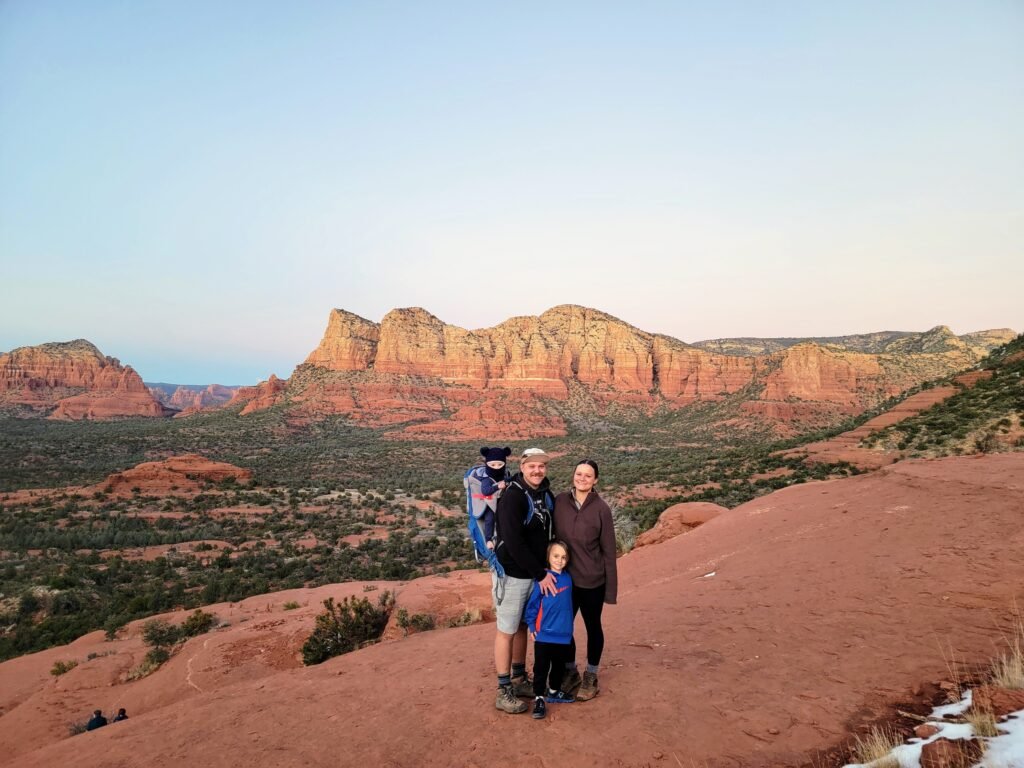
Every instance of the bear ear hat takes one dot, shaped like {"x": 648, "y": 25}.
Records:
{"x": 484, "y": 450}
{"x": 508, "y": 451}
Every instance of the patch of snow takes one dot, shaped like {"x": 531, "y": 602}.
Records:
{"x": 956, "y": 709}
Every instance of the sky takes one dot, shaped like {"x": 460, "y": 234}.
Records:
{"x": 194, "y": 185}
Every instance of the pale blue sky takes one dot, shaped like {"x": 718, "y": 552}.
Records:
{"x": 194, "y": 185}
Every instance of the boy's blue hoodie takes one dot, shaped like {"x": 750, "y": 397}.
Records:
{"x": 550, "y": 616}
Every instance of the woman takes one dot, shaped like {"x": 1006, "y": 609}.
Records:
{"x": 584, "y": 522}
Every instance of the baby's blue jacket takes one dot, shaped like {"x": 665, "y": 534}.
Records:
{"x": 550, "y": 616}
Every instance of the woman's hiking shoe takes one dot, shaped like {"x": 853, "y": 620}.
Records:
{"x": 506, "y": 701}
{"x": 539, "y": 709}
{"x": 559, "y": 697}
{"x": 523, "y": 687}
{"x": 572, "y": 682}
{"x": 588, "y": 689}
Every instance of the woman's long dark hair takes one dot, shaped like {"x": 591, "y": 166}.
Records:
{"x": 590, "y": 463}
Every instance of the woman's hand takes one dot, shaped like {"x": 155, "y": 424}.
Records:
{"x": 490, "y": 545}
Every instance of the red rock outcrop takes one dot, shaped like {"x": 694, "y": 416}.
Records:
{"x": 74, "y": 380}
{"x": 677, "y": 519}
{"x": 426, "y": 377}
{"x": 182, "y": 475}
{"x": 263, "y": 395}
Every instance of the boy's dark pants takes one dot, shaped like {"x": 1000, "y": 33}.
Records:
{"x": 548, "y": 665}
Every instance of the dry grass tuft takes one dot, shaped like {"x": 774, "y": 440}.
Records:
{"x": 983, "y": 722}
{"x": 1008, "y": 668}
{"x": 875, "y": 747}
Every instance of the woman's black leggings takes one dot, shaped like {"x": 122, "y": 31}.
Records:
{"x": 590, "y": 602}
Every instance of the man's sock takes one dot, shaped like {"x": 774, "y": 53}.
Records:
{"x": 570, "y": 666}
{"x": 504, "y": 680}
{"x": 592, "y": 669}
{"x": 519, "y": 670}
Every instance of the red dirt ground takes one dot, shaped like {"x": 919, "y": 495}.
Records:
{"x": 828, "y": 605}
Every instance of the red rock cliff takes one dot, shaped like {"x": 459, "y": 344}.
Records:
{"x": 415, "y": 370}
{"x": 73, "y": 380}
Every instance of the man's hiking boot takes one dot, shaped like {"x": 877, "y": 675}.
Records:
{"x": 523, "y": 687}
{"x": 539, "y": 709}
{"x": 572, "y": 682}
{"x": 506, "y": 701}
{"x": 588, "y": 689}
{"x": 559, "y": 697}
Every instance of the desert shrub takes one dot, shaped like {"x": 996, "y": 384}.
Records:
{"x": 157, "y": 656}
{"x": 112, "y": 626}
{"x": 159, "y": 632}
{"x": 76, "y": 728}
{"x": 291, "y": 605}
{"x": 469, "y": 617}
{"x": 418, "y": 622}
{"x": 626, "y": 529}
{"x": 346, "y": 626}
{"x": 198, "y": 623}
{"x": 152, "y": 661}
{"x": 60, "y": 667}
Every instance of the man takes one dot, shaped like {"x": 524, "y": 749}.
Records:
{"x": 521, "y": 549}
{"x": 96, "y": 721}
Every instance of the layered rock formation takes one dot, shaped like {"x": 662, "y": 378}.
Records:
{"x": 525, "y": 376}
{"x": 73, "y": 380}
{"x": 189, "y": 399}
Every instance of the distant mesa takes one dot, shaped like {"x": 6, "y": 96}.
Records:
{"x": 418, "y": 377}
{"x": 191, "y": 398}
{"x": 73, "y": 380}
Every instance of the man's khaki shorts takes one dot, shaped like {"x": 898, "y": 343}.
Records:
{"x": 510, "y": 597}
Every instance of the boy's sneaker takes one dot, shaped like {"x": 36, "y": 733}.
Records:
{"x": 589, "y": 688}
{"x": 559, "y": 697}
{"x": 523, "y": 687}
{"x": 572, "y": 682}
{"x": 539, "y": 709}
{"x": 506, "y": 701}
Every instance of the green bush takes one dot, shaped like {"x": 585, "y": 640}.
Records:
{"x": 346, "y": 626}
{"x": 60, "y": 667}
{"x": 150, "y": 664}
{"x": 160, "y": 633}
{"x": 198, "y": 623}
{"x": 418, "y": 622}
{"x": 157, "y": 656}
